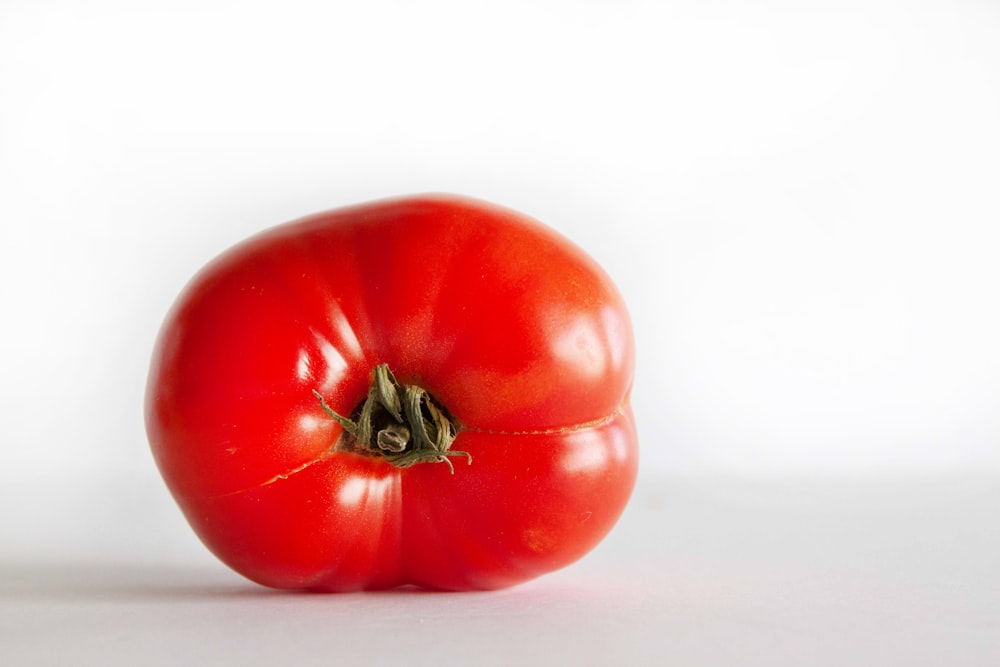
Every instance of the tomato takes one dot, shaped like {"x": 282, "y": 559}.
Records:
{"x": 428, "y": 391}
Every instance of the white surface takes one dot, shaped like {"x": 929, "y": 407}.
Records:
{"x": 798, "y": 201}
{"x": 701, "y": 571}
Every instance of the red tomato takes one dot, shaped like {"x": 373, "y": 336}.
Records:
{"x": 510, "y": 354}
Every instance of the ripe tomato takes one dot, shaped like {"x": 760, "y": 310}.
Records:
{"x": 429, "y": 391}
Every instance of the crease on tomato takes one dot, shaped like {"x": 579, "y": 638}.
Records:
{"x": 594, "y": 423}
{"x": 277, "y": 478}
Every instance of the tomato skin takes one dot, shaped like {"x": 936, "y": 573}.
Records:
{"x": 518, "y": 333}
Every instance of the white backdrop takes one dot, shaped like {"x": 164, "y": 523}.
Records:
{"x": 799, "y": 201}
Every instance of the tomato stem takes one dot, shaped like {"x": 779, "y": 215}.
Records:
{"x": 402, "y": 424}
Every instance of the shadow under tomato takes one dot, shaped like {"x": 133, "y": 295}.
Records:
{"x": 68, "y": 581}
{"x": 113, "y": 581}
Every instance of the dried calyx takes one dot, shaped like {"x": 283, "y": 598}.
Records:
{"x": 400, "y": 423}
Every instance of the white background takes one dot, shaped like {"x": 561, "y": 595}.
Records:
{"x": 801, "y": 206}
{"x": 799, "y": 201}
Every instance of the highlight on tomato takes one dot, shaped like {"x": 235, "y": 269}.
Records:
{"x": 429, "y": 391}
